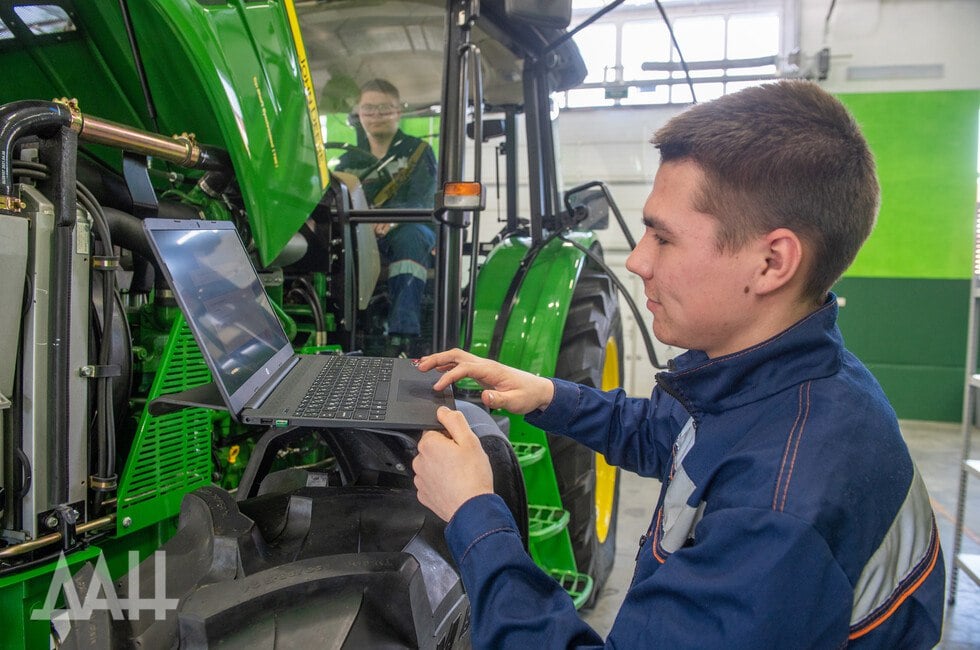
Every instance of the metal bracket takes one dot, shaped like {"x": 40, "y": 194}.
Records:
{"x": 105, "y": 262}
{"x": 97, "y": 372}
{"x": 137, "y": 175}
{"x": 65, "y": 518}
{"x": 103, "y": 484}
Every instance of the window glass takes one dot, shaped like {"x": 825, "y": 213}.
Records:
{"x": 753, "y": 36}
{"x": 752, "y": 72}
{"x": 701, "y": 38}
{"x": 582, "y": 97}
{"x": 597, "y": 46}
{"x": 638, "y": 96}
{"x": 5, "y": 32}
{"x": 387, "y": 135}
{"x": 735, "y": 86}
{"x": 644, "y": 41}
{"x": 707, "y": 91}
{"x": 730, "y": 34}
{"x": 45, "y": 19}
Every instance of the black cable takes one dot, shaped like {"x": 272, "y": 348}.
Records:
{"x": 34, "y": 166}
{"x": 310, "y": 301}
{"x": 826, "y": 21}
{"x": 138, "y": 61}
{"x": 647, "y": 341}
{"x": 16, "y": 413}
{"x": 585, "y": 23}
{"x": 315, "y": 304}
{"x": 687, "y": 71}
{"x": 105, "y": 419}
{"x": 28, "y": 474}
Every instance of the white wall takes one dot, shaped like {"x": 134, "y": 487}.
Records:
{"x": 613, "y": 144}
{"x": 872, "y": 33}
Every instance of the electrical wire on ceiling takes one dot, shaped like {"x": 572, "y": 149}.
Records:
{"x": 826, "y": 21}
{"x": 673, "y": 39}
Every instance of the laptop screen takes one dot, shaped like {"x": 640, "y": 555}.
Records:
{"x": 222, "y": 295}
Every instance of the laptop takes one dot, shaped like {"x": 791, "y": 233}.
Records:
{"x": 258, "y": 374}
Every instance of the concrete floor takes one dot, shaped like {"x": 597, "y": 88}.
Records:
{"x": 936, "y": 448}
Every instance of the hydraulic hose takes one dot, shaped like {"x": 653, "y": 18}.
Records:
{"x": 104, "y": 480}
{"x": 62, "y": 147}
{"x": 19, "y": 119}
{"x": 127, "y": 231}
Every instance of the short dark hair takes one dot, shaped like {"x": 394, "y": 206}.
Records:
{"x": 781, "y": 155}
{"x": 381, "y": 86}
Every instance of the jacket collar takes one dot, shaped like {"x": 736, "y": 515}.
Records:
{"x": 812, "y": 348}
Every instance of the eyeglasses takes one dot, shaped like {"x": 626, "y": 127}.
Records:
{"x": 383, "y": 110}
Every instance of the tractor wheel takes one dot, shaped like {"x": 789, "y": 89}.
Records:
{"x": 591, "y": 354}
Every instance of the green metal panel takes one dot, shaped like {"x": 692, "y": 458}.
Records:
{"x": 24, "y": 592}
{"x": 243, "y": 89}
{"x": 911, "y": 333}
{"x": 907, "y": 291}
{"x": 171, "y": 454}
{"x": 92, "y": 64}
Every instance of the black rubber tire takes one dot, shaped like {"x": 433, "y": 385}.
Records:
{"x": 593, "y": 320}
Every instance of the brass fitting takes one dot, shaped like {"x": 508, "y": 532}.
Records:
{"x": 189, "y": 140}
{"x": 11, "y": 204}
{"x": 77, "y": 120}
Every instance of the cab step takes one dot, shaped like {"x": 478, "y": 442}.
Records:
{"x": 529, "y": 453}
{"x": 545, "y": 521}
{"x": 578, "y": 585}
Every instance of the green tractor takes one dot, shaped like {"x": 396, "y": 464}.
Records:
{"x": 127, "y": 521}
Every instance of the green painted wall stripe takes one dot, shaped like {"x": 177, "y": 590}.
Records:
{"x": 925, "y": 145}
{"x": 911, "y": 333}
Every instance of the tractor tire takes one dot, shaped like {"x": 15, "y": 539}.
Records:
{"x": 590, "y": 354}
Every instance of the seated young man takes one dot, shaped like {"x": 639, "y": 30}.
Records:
{"x": 396, "y": 170}
{"x": 791, "y": 514}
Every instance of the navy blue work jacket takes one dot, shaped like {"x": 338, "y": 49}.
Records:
{"x": 790, "y": 516}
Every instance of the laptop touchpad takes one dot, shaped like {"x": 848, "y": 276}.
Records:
{"x": 410, "y": 390}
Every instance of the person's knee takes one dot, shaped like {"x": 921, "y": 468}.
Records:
{"x": 411, "y": 242}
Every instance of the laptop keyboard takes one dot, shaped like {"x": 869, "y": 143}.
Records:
{"x": 349, "y": 388}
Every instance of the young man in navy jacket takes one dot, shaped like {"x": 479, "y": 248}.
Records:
{"x": 791, "y": 514}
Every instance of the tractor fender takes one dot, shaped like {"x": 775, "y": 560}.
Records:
{"x": 531, "y": 289}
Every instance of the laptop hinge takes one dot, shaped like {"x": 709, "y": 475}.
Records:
{"x": 263, "y": 393}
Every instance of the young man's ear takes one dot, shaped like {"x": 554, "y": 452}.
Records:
{"x": 782, "y": 261}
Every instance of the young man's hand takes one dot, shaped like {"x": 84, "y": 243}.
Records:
{"x": 451, "y": 466}
{"x": 506, "y": 388}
